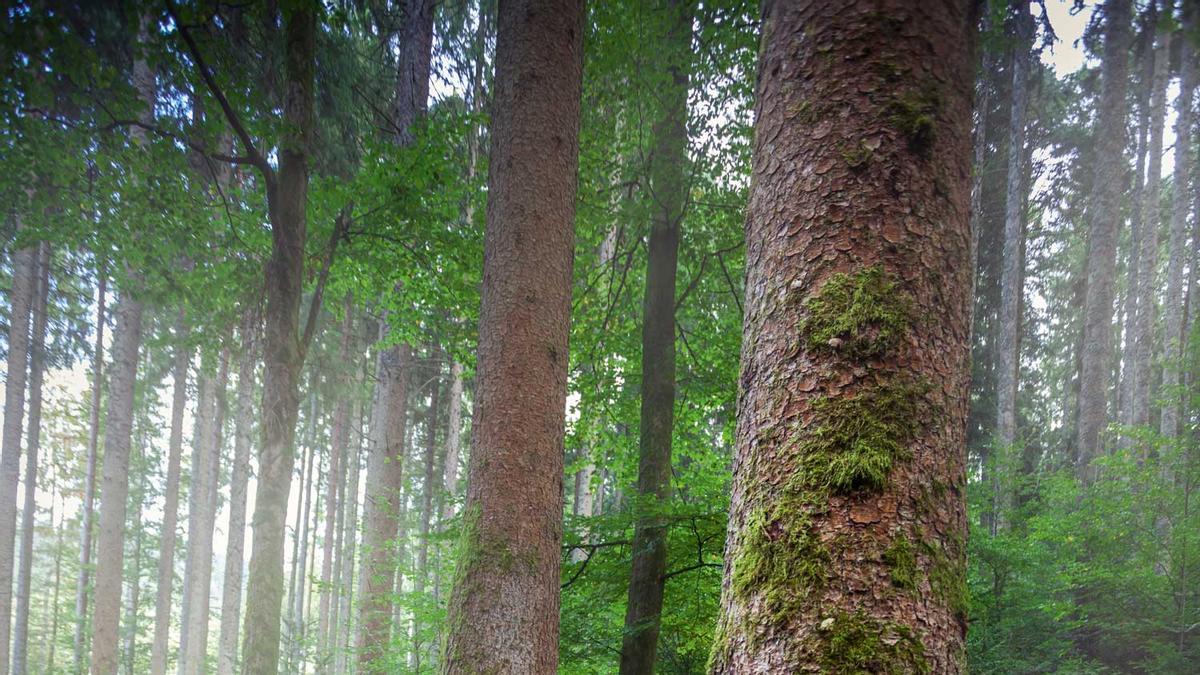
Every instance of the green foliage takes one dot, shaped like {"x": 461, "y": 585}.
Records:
{"x": 860, "y": 315}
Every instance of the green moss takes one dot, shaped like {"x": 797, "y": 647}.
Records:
{"x": 853, "y": 441}
{"x": 780, "y": 558}
{"x": 948, "y": 578}
{"x": 860, "y": 315}
{"x": 719, "y": 653}
{"x": 857, "y": 156}
{"x": 902, "y": 563}
{"x": 915, "y": 115}
{"x": 856, "y": 644}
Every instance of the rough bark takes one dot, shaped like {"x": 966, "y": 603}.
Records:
{"x": 503, "y": 614}
{"x": 339, "y": 437}
{"x": 166, "y": 555}
{"x": 381, "y": 512}
{"x": 82, "y": 581}
{"x": 231, "y": 593}
{"x": 412, "y": 66}
{"x": 1104, "y": 201}
{"x": 1148, "y": 246}
{"x": 668, "y": 196}
{"x": 854, "y": 378}
{"x": 24, "y": 283}
{"x": 1181, "y": 197}
{"x": 283, "y": 349}
{"x": 114, "y": 484}
{"x": 37, "y": 364}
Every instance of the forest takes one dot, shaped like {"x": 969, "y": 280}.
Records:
{"x": 626, "y": 336}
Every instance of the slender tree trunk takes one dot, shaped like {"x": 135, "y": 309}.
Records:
{"x": 854, "y": 378}
{"x": 428, "y": 488}
{"x": 58, "y": 549}
{"x": 24, "y": 283}
{"x": 504, "y": 614}
{"x": 114, "y": 481}
{"x": 37, "y": 359}
{"x": 294, "y": 568}
{"x": 349, "y": 547}
{"x": 453, "y": 441}
{"x": 200, "y": 431}
{"x": 231, "y": 592}
{"x": 668, "y": 190}
{"x": 283, "y": 347}
{"x": 166, "y": 555}
{"x": 82, "y": 583}
{"x": 1181, "y": 197}
{"x": 1148, "y": 251}
{"x": 381, "y": 512}
{"x": 299, "y": 563}
{"x": 114, "y": 486}
{"x": 1102, "y": 243}
{"x": 135, "y": 584}
{"x": 338, "y": 439}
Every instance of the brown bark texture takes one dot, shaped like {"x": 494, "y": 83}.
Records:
{"x": 845, "y": 550}
{"x": 503, "y": 614}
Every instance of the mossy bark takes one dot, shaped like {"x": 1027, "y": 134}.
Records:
{"x": 854, "y": 377}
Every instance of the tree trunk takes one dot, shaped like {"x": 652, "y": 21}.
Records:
{"x": 299, "y": 563}
{"x": 24, "y": 283}
{"x": 82, "y": 582}
{"x": 58, "y": 549}
{"x": 338, "y": 439}
{"x": 845, "y": 550}
{"x": 231, "y": 592}
{"x": 1148, "y": 250}
{"x": 668, "y": 191}
{"x": 1181, "y": 197}
{"x": 37, "y": 358}
{"x": 430, "y": 485}
{"x": 114, "y": 485}
{"x": 135, "y": 582}
{"x": 283, "y": 350}
{"x": 503, "y": 613}
{"x": 1102, "y": 243}
{"x": 349, "y": 547}
{"x": 206, "y": 475}
{"x": 381, "y": 512}
{"x": 453, "y": 442}
{"x": 166, "y": 555}
{"x": 114, "y": 481}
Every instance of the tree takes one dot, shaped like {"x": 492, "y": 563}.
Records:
{"x": 668, "y": 197}
{"x": 1102, "y": 238}
{"x": 89, "y": 480}
{"x": 503, "y": 611}
{"x": 845, "y": 547}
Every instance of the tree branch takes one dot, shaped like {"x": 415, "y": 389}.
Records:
{"x": 340, "y": 226}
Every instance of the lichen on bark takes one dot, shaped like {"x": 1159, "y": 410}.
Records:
{"x": 859, "y": 315}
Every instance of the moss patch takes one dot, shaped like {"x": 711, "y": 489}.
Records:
{"x": 914, "y": 113}
{"x": 860, "y": 315}
{"x": 854, "y": 644}
{"x": 902, "y": 563}
{"x": 854, "y": 440}
{"x": 948, "y": 578}
{"x": 780, "y": 558}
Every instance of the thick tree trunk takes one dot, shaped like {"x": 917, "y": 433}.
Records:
{"x": 231, "y": 593}
{"x": 845, "y": 550}
{"x": 166, "y": 555}
{"x": 283, "y": 350}
{"x": 114, "y": 484}
{"x": 668, "y": 192}
{"x": 503, "y": 614}
{"x": 338, "y": 439}
{"x": 83, "y": 580}
{"x": 37, "y": 364}
{"x": 1102, "y": 238}
{"x": 1148, "y": 246}
{"x": 1181, "y": 197}
{"x": 24, "y": 283}
{"x": 381, "y": 512}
